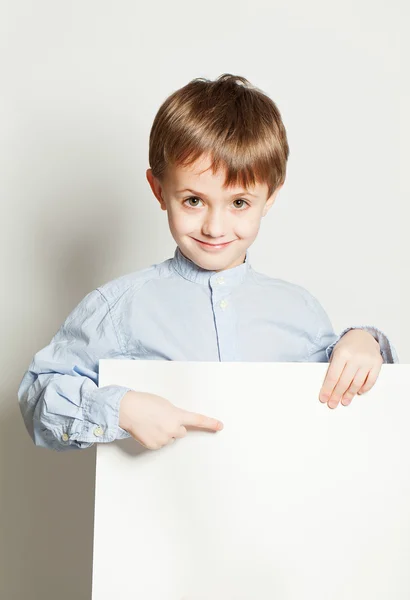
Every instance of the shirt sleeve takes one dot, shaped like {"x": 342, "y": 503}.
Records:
{"x": 59, "y": 398}
{"x": 326, "y": 339}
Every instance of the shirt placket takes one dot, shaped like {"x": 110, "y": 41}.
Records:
{"x": 224, "y": 316}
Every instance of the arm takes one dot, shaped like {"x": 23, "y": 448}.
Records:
{"x": 325, "y": 339}
{"x": 60, "y": 401}
{"x": 387, "y": 350}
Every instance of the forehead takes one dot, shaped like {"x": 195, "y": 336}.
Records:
{"x": 199, "y": 176}
{"x": 200, "y": 170}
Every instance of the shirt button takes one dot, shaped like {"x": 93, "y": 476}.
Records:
{"x": 98, "y": 431}
{"x": 220, "y": 280}
{"x": 223, "y": 304}
{"x": 65, "y": 437}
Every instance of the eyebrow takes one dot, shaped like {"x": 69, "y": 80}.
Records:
{"x": 244, "y": 193}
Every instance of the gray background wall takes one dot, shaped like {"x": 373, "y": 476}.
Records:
{"x": 81, "y": 83}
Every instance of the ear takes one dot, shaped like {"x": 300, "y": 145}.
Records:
{"x": 156, "y": 188}
{"x": 269, "y": 202}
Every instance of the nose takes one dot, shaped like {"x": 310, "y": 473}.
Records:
{"x": 214, "y": 225}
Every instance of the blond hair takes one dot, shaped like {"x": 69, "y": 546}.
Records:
{"x": 234, "y": 122}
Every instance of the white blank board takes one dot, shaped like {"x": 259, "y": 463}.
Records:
{"x": 290, "y": 501}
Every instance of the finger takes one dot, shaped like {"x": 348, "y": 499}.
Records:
{"x": 135, "y": 436}
{"x": 152, "y": 441}
{"x": 181, "y": 432}
{"x": 198, "y": 420}
{"x": 333, "y": 374}
{"x": 371, "y": 379}
{"x": 355, "y": 386}
{"x": 151, "y": 445}
{"x": 343, "y": 384}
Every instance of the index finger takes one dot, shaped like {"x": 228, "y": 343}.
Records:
{"x": 332, "y": 376}
{"x": 197, "y": 420}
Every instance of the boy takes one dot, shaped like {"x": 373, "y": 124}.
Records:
{"x": 218, "y": 154}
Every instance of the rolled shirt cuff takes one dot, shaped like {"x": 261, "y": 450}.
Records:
{"x": 100, "y": 423}
{"x": 387, "y": 349}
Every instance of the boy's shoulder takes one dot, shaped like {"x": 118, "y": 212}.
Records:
{"x": 265, "y": 280}
{"x": 285, "y": 290}
{"x": 134, "y": 280}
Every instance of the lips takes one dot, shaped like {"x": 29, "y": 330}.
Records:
{"x": 221, "y": 245}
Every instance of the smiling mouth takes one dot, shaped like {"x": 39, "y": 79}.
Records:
{"x": 213, "y": 245}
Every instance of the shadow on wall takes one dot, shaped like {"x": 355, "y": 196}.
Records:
{"x": 47, "y": 497}
{"x": 46, "y": 514}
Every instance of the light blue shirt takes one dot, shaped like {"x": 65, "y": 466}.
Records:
{"x": 173, "y": 310}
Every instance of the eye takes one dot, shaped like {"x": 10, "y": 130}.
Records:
{"x": 192, "y": 198}
{"x": 244, "y": 203}
{"x": 194, "y": 202}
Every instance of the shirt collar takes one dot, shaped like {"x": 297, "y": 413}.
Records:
{"x": 191, "y": 271}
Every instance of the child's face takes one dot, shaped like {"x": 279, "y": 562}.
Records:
{"x": 212, "y": 226}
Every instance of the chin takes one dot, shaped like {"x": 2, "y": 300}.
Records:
{"x": 214, "y": 263}
{"x": 210, "y": 261}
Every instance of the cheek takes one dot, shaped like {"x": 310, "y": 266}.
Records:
{"x": 247, "y": 227}
{"x": 182, "y": 222}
